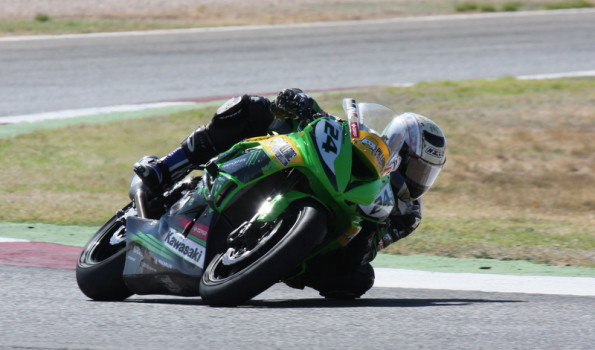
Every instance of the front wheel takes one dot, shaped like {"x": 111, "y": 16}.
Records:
{"x": 100, "y": 265}
{"x": 260, "y": 257}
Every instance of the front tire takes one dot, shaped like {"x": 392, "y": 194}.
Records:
{"x": 100, "y": 265}
{"x": 243, "y": 272}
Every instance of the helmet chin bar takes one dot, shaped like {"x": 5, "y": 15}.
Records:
{"x": 414, "y": 177}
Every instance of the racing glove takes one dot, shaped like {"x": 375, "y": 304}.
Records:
{"x": 400, "y": 225}
{"x": 396, "y": 227}
{"x": 295, "y": 104}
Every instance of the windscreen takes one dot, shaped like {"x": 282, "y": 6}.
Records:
{"x": 375, "y": 118}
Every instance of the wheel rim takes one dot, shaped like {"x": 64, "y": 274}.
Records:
{"x": 101, "y": 249}
{"x": 110, "y": 241}
{"x": 237, "y": 259}
{"x": 235, "y": 255}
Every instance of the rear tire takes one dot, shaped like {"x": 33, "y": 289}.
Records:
{"x": 100, "y": 265}
{"x": 239, "y": 274}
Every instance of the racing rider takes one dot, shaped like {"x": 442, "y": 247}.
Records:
{"x": 346, "y": 273}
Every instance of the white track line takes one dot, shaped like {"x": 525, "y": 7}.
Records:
{"x": 584, "y": 73}
{"x": 453, "y": 17}
{"x": 8, "y": 240}
{"x": 74, "y": 113}
{"x": 397, "y": 278}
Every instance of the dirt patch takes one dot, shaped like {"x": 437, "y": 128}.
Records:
{"x": 182, "y": 9}
{"x": 34, "y": 17}
{"x": 237, "y": 11}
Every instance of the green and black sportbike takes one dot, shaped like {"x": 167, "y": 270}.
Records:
{"x": 257, "y": 214}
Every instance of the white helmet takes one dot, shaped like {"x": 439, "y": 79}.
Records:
{"x": 421, "y": 147}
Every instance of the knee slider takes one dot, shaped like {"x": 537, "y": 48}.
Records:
{"x": 239, "y": 118}
{"x": 250, "y": 113}
{"x": 232, "y": 111}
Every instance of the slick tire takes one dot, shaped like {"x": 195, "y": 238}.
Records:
{"x": 299, "y": 232}
{"x": 100, "y": 265}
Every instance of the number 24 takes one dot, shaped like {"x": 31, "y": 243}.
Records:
{"x": 332, "y": 135}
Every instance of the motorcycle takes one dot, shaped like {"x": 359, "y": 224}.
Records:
{"x": 258, "y": 214}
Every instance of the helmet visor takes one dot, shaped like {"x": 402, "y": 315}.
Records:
{"x": 419, "y": 176}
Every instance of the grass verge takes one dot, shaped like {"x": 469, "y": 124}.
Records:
{"x": 56, "y": 26}
{"x": 562, "y": 5}
{"x": 494, "y": 6}
{"x": 518, "y": 184}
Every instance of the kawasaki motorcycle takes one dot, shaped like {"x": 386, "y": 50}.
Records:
{"x": 257, "y": 215}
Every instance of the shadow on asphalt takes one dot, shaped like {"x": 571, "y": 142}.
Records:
{"x": 332, "y": 303}
{"x": 377, "y": 302}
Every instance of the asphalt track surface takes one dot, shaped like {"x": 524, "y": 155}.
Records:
{"x": 50, "y": 313}
{"x": 71, "y": 72}
{"x": 41, "y": 308}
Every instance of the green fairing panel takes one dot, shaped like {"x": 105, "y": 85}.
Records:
{"x": 365, "y": 193}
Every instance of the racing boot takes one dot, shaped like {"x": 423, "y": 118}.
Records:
{"x": 335, "y": 281}
{"x": 345, "y": 273}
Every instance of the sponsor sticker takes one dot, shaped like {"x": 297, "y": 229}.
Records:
{"x": 282, "y": 149}
{"x": 199, "y": 231}
{"x": 434, "y": 152}
{"x": 186, "y": 248}
{"x": 354, "y": 128}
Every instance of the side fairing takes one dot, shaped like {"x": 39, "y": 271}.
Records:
{"x": 382, "y": 205}
{"x": 256, "y": 159}
{"x": 322, "y": 152}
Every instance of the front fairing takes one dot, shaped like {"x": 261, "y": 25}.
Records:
{"x": 345, "y": 178}
{"x": 322, "y": 152}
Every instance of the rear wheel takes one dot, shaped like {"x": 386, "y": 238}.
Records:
{"x": 262, "y": 254}
{"x": 100, "y": 265}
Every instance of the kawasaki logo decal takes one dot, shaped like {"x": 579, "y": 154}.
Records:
{"x": 186, "y": 248}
